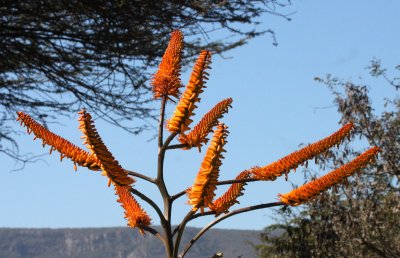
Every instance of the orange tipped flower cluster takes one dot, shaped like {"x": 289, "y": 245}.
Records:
{"x": 293, "y": 160}
{"x": 229, "y": 198}
{"x": 198, "y": 135}
{"x": 134, "y": 213}
{"x": 166, "y": 81}
{"x": 312, "y": 189}
{"x": 202, "y": 193}
{"x": 180, "y": 121}
{"x": 66, "y": 148}
{"x": 108, "y": 163}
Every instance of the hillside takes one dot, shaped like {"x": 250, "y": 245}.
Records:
{"x": 117, "y": 242}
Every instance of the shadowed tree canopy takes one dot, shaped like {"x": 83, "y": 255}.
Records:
{"x": 59, "y": 56}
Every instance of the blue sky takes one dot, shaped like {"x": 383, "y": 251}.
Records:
{"x": 277, "y": 105}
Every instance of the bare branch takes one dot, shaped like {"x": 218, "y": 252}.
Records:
{"x": 179, "y": 229}
{"x": 226, "y": 182}
{"x": 149, "y": 201}
{"x": 154, "y": 233}
{"x": 144, "y": 177}
{"x": 177, "y": 146}
{"x": 223, "y": 217}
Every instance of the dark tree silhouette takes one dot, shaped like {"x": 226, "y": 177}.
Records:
{"x": 57, "y": 56}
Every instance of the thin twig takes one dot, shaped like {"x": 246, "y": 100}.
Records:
{"x": 233, "y": 181}
{"x": 176, "y": 196}
{"x": 194, "y": 216}
{"x": 167, "y": 142}
{"x": 225, "y": 216}
{"x": 202, "y": 214}
{"x": 154, "y": 233}
{"x": 226, "y": 182}
{"x": 177, "y": 146}
{"x": 136, "y": 174}
{"x": 161, "y": 122}
{"x": 149, "y": 201}
{"x": 180, "y": 230}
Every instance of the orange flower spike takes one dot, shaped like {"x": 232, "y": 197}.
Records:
{"x": 180, "y": 120}
{"x": 229, "y": 198}
{"x": 134, "y": 213}
{"x": 66, "y": 148}
{"x": 198, "y": 135}
{"x": 108, "y": 163}
{"x": 166, "y": 81}
{"x": 202, "y": 193}
{"x": 310, "y": 190}
{"x": 291, "y": 161}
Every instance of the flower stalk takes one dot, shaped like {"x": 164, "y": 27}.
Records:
{"x": 134, "y": 214}
{"x": 202, "y": 192}
{"x": 293, "y": 160}
{"x": 310, "y": 190}
{"x": 180, "y": 121}
{"x": 229, "y": 198}
{"x": 198, "y": 136}
{"x": 110, "y": 166}
{"x": 64, "y": 147}
{"x": 166, "y": 81}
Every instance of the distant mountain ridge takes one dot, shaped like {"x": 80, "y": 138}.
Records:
{"x": 118, "y": 243}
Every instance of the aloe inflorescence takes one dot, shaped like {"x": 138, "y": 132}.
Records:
{"x": 201, "y": 195}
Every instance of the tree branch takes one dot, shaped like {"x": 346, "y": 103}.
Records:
{"x": 154, "y": 233}
{"x": 177, "y": 146}
{"x": 136, "y": 174}
{"x": 225, "y": 216}
{"x": 161, "y": 122}
{"x": 162, "y": 147}
{"x": 226, "y": 182}
{"x": 180, "y": 230}
{"x": 150, "y": 202}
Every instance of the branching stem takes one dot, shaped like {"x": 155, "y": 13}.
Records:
{"x": 161, "y": 122}
{"x": 226, "y": 182}
{"x": 223, "y": 217}
{"x": 162, "y": 147}
{"x": 139, "y": 175}
{"x": 180, "y": 230}
{"x": 149, "y": 201}
{"x": 154, "y": 233}
{"x": 177, "y": 146}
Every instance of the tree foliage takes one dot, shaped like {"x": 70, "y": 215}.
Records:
{"x": 57, "y": 56}
{"x": 358, "y": 221}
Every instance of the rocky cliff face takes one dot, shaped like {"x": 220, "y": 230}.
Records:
{"x": 117, "y": 242}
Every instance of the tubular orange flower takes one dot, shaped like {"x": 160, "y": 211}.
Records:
{"x": 312, "y": 189}
{"x": 66, "y": 148}
{"x": 229, "y": 198}
{"x": 134, "y": 213}
{"x": 108, "y": 163}
{"x": 202, "y": 192}
{"x": 198, "y": 135}
{"x": 291, "y": 161}
{"x": 166, "y": 81}
{"x": 180, "y": 120}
